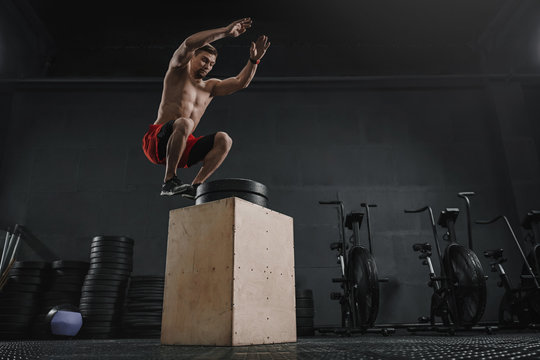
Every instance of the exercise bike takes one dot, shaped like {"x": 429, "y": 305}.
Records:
{"x": 359, "y": 276}
{"x": 459, "y": 293}
{"x": 518, "y": 306}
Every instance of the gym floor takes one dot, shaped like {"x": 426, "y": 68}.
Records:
{"x": 401, "y": 345}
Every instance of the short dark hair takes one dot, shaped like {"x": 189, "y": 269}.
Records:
{"x": 208, "y": 48}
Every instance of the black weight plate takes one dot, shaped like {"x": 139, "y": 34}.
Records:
{"x": 117, "y": 284}
{"x": 147, "y": 286}
{"x": 66, "y": 288}
{"x": 41, "y": 265}
{"x": 464, "y": 269}
{"x": 143, "y": 318}
{"x": 96, "y": 296}
{"x": 15, "y": 309}
{"x": 23, "y": 296}
{"x": 144, "y": 308}
{"x": 106, "y": 277}
{"x": 111, "y": 260}
{"x": 151, "y": 296}
{"x": 100, "y": 312}
{"x": 113, "y": 257}
{"x": 107, "y": 250}
{"x": 68, "y": 279}
{"x": 234, "y": 185}
{"x": 103, "y": 288}
{"x": 22, "y": 288}
{"x": 106, "y": 271}
{"x": 150, "y": 293}
{"x": 112, "y": 267}
{"x": 143, "y": 314}
{"x": 68, "y": 273}
{"x": 304, "y": 312}
{"x": 147, "y": 283}
{"x": 307, "y": 293}
{"x": 148, "y": 277}
{"x": 112, "y": 317}
{"x": 101, "y": 300}
{"x": 149, "y": 324}
{"x": 109, "y": 272}
{"x": 304, "y": 303}
{"x": 64, "y": 264}
{"x": 90, "y": 322}
{"x": 253, "y": 198}
{"x": 122, "y": 239}
{"x": 99, "y": 309}
{"x": 27, "y": 280}
{"x": 16, "y": 318}
{"x": 365, "y": 295}
{"x": 26, "y": 272}
{"x": 56, "y": 294}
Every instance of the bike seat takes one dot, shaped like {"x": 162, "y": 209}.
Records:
{"x": 353, "y": 217}
{"x": 422, "y": 247}
{"x": 495, "y": 254}
{"x": 449, "y": 214}
{"x": 532, "y": 216}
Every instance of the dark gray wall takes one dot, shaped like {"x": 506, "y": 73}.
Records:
{"x": 73, "y": 168}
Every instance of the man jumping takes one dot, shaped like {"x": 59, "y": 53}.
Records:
{"x": 185, "y": 97}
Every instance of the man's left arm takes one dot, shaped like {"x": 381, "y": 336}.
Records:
{"x": 242, "y": 80}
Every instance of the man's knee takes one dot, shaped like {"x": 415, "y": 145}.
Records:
{"x": 223, "y": 140}
{"x": 183, "y": 126}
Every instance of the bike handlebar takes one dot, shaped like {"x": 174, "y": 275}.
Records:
{"x": 466, "y": 193}
{"x": 334, "y": 202}
{"x": 366, "y": 205}
{"x": 485, "y": 222}
{"x": 416, "y": 211}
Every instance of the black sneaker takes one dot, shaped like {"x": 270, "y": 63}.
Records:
{"x": 174, "y": 186}
{"x": 191, "y": 192}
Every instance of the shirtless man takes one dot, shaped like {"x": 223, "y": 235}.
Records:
{"x": 185, "y": 96}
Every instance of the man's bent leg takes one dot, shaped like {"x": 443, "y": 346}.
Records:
{"x": 176, "y": 145}
{"x": 214, "y": 158}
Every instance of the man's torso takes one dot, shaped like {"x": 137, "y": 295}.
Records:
{"x": 183, "y": 97}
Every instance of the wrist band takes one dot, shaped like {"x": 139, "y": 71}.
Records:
{"x": 255, "y": 62}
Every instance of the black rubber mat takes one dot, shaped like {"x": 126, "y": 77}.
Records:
{"x": 498, "y": 346}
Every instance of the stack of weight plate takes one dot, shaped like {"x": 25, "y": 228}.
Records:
{"x": 104, "y": 288}
{"x": 142, "y": 316}
{"x": 66, "y": 282}
{"x": 304, "y": 313}
{"x": 19, "y": 298}
{"x": 249, "y": 190}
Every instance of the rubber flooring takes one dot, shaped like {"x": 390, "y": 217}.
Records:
{"x": 397, "y": 346}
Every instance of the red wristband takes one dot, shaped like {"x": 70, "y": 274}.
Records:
{"x": 255, "y": 62}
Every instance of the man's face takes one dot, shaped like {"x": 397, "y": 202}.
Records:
{"x": 202, "y": 63}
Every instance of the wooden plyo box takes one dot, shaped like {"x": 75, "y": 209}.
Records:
{"x": 229, "y": 277}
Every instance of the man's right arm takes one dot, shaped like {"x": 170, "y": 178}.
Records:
{"x": 185, "y": 52}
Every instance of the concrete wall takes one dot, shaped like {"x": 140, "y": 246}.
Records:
{"x": 72, "y": 168}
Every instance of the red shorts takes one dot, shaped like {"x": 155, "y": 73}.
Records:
{"x": 151, "y": 146}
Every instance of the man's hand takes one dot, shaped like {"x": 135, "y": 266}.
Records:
{"x": 259, "y": 48}
{"x": 238, "y": 27}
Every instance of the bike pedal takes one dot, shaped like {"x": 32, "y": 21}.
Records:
{"x": 423, "y": 319}
{"x": 338, "y": 280}
{"x": 336, "y": 296}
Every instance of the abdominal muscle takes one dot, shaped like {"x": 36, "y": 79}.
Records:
{"x": 182, "y": 99}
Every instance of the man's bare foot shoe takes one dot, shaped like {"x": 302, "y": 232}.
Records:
{"x": 174, "y": 186}
{"x": 191, "y": 192}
